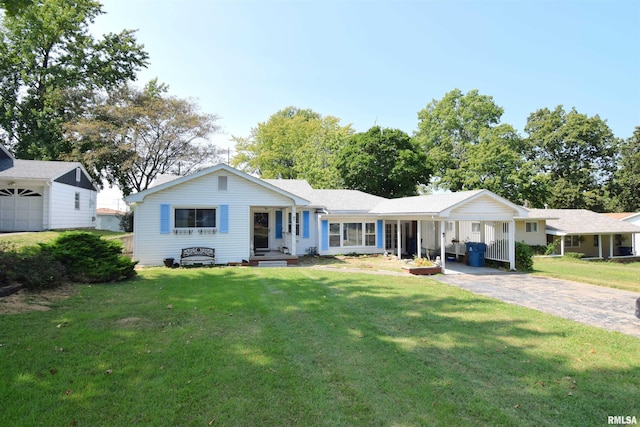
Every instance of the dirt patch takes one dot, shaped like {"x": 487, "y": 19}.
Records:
{"x": 24, "y": 301}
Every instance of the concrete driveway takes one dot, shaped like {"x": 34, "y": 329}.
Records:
{"x": 606, "y": 308}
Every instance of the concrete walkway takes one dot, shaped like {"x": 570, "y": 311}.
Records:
{"x": 606, "y": 308}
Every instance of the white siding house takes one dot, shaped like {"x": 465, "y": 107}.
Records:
{"x": 248, "y": 219}
{"x": 42, "y": 195}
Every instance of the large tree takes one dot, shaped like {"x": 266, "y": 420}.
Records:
{"x": 133, "y": 136}
{"x": 384, "y": 162}
{"x": 449, "y": 127}
{"x": 576, "y": 153}
{"x": 626, "y": 180}
{"x": 495, "y": 163}
{"x": 47, "y": 58}
{"x": 294, "y": 144}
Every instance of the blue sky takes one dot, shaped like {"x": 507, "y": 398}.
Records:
{"x": 380, "y": 62}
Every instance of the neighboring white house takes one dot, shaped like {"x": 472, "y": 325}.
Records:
{"x": 45, "y": 195}
{"x": 109, "y": 219}
{"x": 246, "y": 218}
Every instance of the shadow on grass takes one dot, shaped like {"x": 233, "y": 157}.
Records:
{"x": 312, "y": 347}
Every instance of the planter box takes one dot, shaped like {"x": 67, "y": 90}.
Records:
{"x": 422, "y": 270}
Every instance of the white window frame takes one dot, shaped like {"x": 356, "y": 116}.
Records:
{"x": 572, "y": 239}
{"x": 196, "y": 209}
{"x": 77, "y": 200}
{"x": 531, "y": 227}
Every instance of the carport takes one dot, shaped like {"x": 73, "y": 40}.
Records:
{"x": 441, "y": 224}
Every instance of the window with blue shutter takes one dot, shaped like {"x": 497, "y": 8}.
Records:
{"x": 165, "y": 219}
{"x": 324, "y": 235}
{"x": 305, "y": 224}
{"x": 224, "y": 219}
{"x": 380, "y": 234}
{"x": 278, "y": 224}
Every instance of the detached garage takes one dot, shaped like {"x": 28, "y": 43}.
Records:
{"x": 38, "y": 195}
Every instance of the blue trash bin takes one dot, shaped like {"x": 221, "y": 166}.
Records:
{"x": 475, "y": 252}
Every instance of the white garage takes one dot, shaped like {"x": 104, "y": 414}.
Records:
{"x": 39, "y": 195}
{"x": 21, "y": 209}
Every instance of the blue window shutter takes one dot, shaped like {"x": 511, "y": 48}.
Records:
{"x": 324, "y": 239}
{"x": 278, "y": 224}
{"x": 165, "y": 219}
{"x": 305, "y": 224}
{"x": 380, "y": 233}
{"x": 224, "y": 219}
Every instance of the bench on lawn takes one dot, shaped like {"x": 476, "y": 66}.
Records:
{"x": 198, "y": 255}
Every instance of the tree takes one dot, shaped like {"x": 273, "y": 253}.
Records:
{"x": 135, "y": 135}
{"x": 48, "y": 57}
{"x": 577, "y": 155}
{"x": 384, "y": 162}
{"x": 294, "y": 144}
{"x": 495, "y": 163}
{"x": 626, "y": 179}
{"x": 448, "y": 128}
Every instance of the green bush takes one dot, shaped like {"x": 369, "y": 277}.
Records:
{"x": 524, "y": 257}
{"x": 574, "y": 255}
{"x": 551, "y": 249}
{"x": 88, "y": 258}
{"x": 29, "y": 267}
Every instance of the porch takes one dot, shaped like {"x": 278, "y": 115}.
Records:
{"x": 273, "y": 257}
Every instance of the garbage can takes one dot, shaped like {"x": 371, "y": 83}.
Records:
{"x": 475, "y": 252}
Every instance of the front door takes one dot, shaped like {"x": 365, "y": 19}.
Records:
{"x": 260, "y": 231}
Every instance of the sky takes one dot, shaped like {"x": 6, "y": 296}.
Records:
{"x": 381, "y": 62}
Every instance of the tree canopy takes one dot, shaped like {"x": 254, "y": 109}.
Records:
{"x": 133, "y": 135}
{"x": 50, "y": 65}
{"x": 625, "y": 186}
{"x": 384, "y": 162}
{"x": 294, "y": 144}
{"x": 576, "y": 153}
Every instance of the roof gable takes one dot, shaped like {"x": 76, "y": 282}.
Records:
{"x": 140, "y": 196}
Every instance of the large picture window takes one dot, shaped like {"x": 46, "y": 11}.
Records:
{"x": 195, "y": 218}
{"x": 352, "y": 234}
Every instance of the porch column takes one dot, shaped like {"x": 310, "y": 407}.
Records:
{"x": 512, "y": 244}
{"x": 419, "y": 240}
{"x": 599, "y": 245}
{"x": 610, "y": 246}
{"x": 399, "y": 235}
{"x": 294, "y": 222}
{"x": 443, "y": 243}
{"x": 561, "y": 245}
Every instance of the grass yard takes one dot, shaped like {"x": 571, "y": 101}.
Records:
{"x": 300, "y": 346}
{"x": 32, "y": 239}
{"x": 601, "y": 273}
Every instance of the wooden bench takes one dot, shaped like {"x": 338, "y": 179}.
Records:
{"x": 197, "y": 255}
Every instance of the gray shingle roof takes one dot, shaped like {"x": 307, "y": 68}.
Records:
{"x": 332, "y": 200}
{"x": 582, "y": 221}
{"x": 429, "y": 204}
{"x": 37, "y": 169}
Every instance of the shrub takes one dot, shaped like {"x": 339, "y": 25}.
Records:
{"x": 524, "y": 257}
{"x": 126, "y": 222}
{"x": 574, "y": 255}
{"x": 29, "y": 267}
{"x": 88, "y": 258}
{"x": 551, "y": 249}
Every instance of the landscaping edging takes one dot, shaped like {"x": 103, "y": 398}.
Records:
{"x": 9, "y": 290}
{"x": 422, "y": 270}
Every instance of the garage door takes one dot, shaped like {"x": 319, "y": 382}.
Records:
{"x": 20, "y": 209}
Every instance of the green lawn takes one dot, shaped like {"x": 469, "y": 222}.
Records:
{"x": 601, "y": 273}
{"x": 299, "y": 346}
{"x": 32, "y": 239}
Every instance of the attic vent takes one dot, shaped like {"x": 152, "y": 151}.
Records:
{"x": 78, "y": 174}
{"x": 222, "y": 183}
